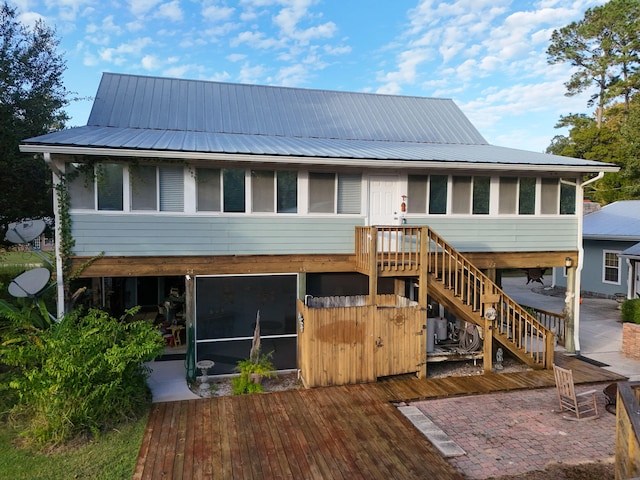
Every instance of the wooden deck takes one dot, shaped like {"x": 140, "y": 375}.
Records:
{"x": 332, "y": 432}
{"x": 411, "y": 390}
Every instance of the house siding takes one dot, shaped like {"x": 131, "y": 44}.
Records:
{"x": 160, "y": 235}
{"x": 591, "y": 277}
{"x": 163, "y": 235}
{"x": 506, "y": 234}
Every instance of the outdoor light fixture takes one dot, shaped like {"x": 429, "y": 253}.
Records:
{"x": 568, "y": 262}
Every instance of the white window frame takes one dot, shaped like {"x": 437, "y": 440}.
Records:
{"x": 605, "y": 266}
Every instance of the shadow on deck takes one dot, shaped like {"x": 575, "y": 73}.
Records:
{"x": 332, "y": 432}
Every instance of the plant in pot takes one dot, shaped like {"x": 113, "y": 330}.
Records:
{"x": 253, "y": 369}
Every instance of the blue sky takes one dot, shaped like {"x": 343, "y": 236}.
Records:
{"x": 487, "y": 55}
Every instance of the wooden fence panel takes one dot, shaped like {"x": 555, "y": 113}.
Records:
{"x": 337, "y": 346}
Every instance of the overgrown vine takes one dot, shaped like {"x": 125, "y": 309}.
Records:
{"x": 65, "y": 238}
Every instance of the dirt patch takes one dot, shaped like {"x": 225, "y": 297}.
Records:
{"x": 470, "y": 368}
{"x": 220, "y": 387}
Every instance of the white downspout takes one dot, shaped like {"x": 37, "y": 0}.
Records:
{"x": 59, "y": 278}
{"x": 578, "y": 276}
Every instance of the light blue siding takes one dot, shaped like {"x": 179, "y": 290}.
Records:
{"x": 129, "y": 235}
{"x": 592, "y": 272}
{"x": 151, "y": 235}
{"x": 505, "y": 234}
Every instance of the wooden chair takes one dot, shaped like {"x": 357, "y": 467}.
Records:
{"x": 582, "y": 404}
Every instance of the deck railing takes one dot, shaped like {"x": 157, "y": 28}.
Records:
{"x": 405, "y": 250}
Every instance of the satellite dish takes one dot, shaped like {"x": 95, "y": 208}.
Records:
{"x": 29, "y": 283}
{"x": 25, "y": 232}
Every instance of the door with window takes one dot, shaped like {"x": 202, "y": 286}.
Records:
{"x": 384, "y": 200}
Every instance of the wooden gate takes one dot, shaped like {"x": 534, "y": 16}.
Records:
{"x": 400, "y": 341}
{"x": 347, "y": 345}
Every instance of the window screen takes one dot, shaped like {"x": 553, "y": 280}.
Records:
{"x": 349, "y": 188}
{"x": 144, "y": 194}
{"x": 262, "y": 191}
{"x": 549, "y": 202}
{"x": 171, "y": 189}
{"x": 234, "y": 190}
{"x": 417, "y": 194}
{"x": 81, "y": 187}
{"x": 527, "y": 196}
{"x": 208, "y": 185}
{"x": 438, "y": 194}
{"x": 461, "y": 201}
{"x": 508, "y": 199}
{"x": 109, "y": 186}
{"x": 287, "y": 185}
{"x": 321, "y": 192}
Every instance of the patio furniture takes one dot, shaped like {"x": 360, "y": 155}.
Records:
{"x": 611, "y": 395}
{"x": 582, "y": 404}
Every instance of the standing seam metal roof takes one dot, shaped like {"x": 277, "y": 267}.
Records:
{"x": 152, "y": 113}
{"x": 126, "y": 101}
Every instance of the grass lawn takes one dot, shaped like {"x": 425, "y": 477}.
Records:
{"x": 110, "y": 457}
{"x": 17, "y": 259}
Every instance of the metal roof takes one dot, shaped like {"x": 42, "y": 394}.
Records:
{"x": 632, "y": 252}
{"x": 136, "y": 113}
{"x": 616, "y": 221}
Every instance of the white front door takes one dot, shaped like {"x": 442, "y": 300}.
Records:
{"x": 384, "y": 200}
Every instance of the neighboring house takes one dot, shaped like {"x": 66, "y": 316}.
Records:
{"x": 609, "y": 235}
{"x": 249, "y": 198}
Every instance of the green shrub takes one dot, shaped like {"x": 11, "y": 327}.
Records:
{"x": 260, "y": 365}
{"x": 630, "y": 310}
{"x": 81, "y": 375}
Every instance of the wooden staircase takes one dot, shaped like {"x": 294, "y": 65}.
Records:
{"x": 458, "y": 285}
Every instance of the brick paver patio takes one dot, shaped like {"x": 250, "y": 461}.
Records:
{"x": 516, "y": 432}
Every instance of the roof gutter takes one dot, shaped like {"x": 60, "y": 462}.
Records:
{"x": 329, "y": 161}
{"x": 578, "y": 276}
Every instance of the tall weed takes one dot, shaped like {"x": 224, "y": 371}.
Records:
{"x": 83, "y": 374}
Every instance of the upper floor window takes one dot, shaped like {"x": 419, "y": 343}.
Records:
{"x": 157, "y": 188}
{"x": 470, "y": 195}
{"x": 81, "y": 186}
{"x": 334, "y": 193}
{"x": 557, "y": 196}
{"x": 610, "y": 267}
{"x": 427, "y": 194}
{"x": 109, "y": 180}
{"x": 517, "y": 195}
{"x": 274, "y": 191}
{"x": 225, "y": 190}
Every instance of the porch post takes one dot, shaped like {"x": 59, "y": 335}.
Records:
{"x": 190, "y": 316}
{"x": 570, "y": 343}
{"x": 423, "y": 292}
{"x": 373, "y": 266}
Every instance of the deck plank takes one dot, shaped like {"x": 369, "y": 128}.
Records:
{"x": 349, "y": 432}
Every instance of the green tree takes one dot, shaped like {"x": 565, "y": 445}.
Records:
{"x": 32, "y": 98}
{"x": 616, "y": 141}
{"x": 604, "y": 47}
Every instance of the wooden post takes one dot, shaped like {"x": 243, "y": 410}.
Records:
{"x": 487, "y": 357}
{"x": 423, "y": 295}
{"x": 570, "y": 341}
{"x": 373, "y": 265}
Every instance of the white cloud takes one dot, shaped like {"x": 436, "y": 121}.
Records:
{"x": 292, "y": 76}
{"x": 170, "y": 11}
{"x": 118, "y": 54}
{"x": 150, "y": 62}
{"x": 215, "y": 13}
{"x": 140, "y": 8}
{"x": 251, "y": 74}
